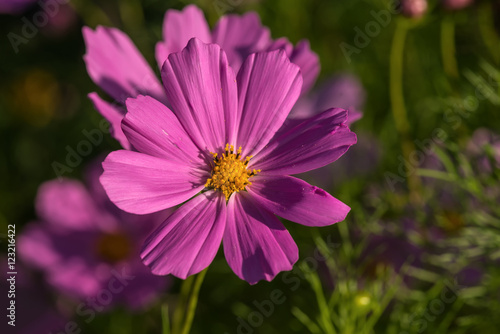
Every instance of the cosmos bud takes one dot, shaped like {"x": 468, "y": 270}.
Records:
{"x": 412, "y": 8}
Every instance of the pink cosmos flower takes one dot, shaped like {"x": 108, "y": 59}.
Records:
{"x": 114, "y": 63}
{"x": 221, "y": 149}
{"x": 87, "y": 248}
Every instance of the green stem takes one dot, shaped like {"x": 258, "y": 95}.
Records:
{"x": 448, "y": 46}
{"x": 193, "y": 302}
{"x": 324, "y": 317}
{"x": 181, "y": 305}
{"x": 487, "y": 30}
{"x": 165, "y": 320}
{"x": 306, "y": 321}
{"x": 398, "y": 104}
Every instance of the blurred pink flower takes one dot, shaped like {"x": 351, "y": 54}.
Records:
{"x": 61, "y": 21}
{"x": 85, "y": 245}
{"x": 413, "y": 8}
{"x": 52, "y": 17}
{"x": 15, "y": 7}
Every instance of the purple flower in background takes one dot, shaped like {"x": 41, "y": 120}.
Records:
{"x": 221, "y": 149}
{"x": 456, "y": 4}
{"x": 15, "y": 6}
{"x": 114, "y": 63}
{"x": 389, "y": 251}
{"x": 481, "y": 140}
{"x": 59, "y": 17}
{"x": 342, "y": 91}
{"x": 87, "y": 248}
{"x": 35, "y": 310}
{"x": 62, "y": 19}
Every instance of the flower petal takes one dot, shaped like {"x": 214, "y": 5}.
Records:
{"x": 178, "y": 28}
{"x": 201, "y": 88}
{"x": 153, "y": 129}
{"x": 66, "y": 204}
{"x": 141, "y": 184}
{"x": 268, "y": 87}
{"x": 144, "y": 289}
{"x": 297, "y": 200}
{"x": 66, "y": 257}
{"x": 256, "y": 245}
{"x": 114, "y": 63}
{"x": 187, "y": 242}
{"x": 302, "y": 56}
{"x": 240, "y": 36}
{"x": 308, "y": 61}
{"x": 311, "y": 144}
{"x": 114, "y": 116}
{"x": 35, "y": 246}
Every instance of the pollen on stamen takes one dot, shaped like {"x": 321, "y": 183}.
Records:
{"x": 229, "y": 172}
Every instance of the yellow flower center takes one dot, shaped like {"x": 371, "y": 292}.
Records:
{"x": 229, "y": 172}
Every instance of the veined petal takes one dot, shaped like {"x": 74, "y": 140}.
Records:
{"x": 297, "y": 200}
{"x": 268, "y": 87}
{"x": 153, "y": 129}
{"x": 239, "y": 36}
{"x": 281, "y": 43}
{"x": 178, "y": 28}
{"x": 187, "y": 242}
{"x": 201, "y": 88}
{"x": 311, "y": 144}
{"x": 114, "y": 115}
{"x": 66, "y": 204}
{"x": 114, "y": 63}
{"x": 139, "y": 183}
{"x": 256, "y": 245}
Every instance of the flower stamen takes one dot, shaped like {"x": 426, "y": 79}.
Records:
{"x": 229, "y": 172}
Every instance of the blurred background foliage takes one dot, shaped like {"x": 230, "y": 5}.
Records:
{"x": 346, "y": 280}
